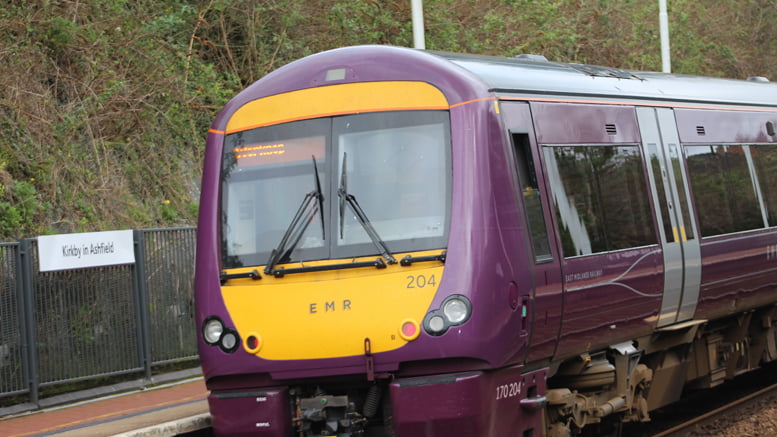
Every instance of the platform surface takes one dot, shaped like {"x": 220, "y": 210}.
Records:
{"x": 165, "y": 410}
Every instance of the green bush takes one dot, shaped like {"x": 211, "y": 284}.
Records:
{"x": 106, "y": 104}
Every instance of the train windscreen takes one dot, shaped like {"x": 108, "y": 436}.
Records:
{"x": 316, "y": 189}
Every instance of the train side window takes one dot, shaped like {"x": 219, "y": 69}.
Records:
{"x": 527, "y": 177}
{"x": 723, "y": 189}
{"x": 765, "y": 162}
{"x": 601, "y": 198}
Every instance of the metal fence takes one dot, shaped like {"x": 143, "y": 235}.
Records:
{"x": 73, "y": 325}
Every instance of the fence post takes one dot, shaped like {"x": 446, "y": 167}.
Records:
{"x": 140, "y": 288}
{"x": 29, "y": 336}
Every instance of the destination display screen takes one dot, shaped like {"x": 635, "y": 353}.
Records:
{"x": 277, "y": 152}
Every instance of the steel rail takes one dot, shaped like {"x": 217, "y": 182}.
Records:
{"x": 711, "y": 416}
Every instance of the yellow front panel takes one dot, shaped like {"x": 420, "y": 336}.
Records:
{"x": 336, "y": 100}
{"x": 329, "y": 314}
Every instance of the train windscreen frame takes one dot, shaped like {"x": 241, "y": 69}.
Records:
{"x": 398, "y": 171}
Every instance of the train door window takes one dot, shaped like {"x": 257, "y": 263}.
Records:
{"x": 765, "y": 163}
{"x": 674, "y": 159}
{"x": 723, "y": 189}
{"x": 658, "y": 169}
{"x": 601, "y": 198}
{"x": 527, "y": 176}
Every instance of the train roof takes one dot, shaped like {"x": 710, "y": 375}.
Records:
{"x": 534, "y": 75}
{"x": 464, "y": 78}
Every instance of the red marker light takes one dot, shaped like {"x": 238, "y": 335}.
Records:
{"x": 253, "y": 342}
{"x": 409, "y": 330}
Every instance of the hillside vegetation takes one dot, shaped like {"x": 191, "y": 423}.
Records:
{"x": 105, "y": 105}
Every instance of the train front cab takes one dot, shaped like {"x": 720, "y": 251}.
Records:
{"x": 304, "y": 331}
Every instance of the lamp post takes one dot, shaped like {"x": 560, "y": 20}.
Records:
{"x": 418, "y": 24}
{"x": 663, "y": 21}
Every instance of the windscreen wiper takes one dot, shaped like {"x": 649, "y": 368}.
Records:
{"x": 304, "y": 215}
{"x": 347, "y": 198}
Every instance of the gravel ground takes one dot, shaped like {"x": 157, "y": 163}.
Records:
{"x": 758, "y": 419}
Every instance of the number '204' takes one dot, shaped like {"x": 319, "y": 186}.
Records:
{"x": 420, "y": 281}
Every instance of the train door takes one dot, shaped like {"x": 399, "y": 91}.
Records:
{"x": 546, "y": 296}
{"x": 679, "y": 236}
{"x": 604, "y": 227}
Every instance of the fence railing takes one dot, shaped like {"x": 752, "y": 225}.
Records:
{"x": 74, "y": 325}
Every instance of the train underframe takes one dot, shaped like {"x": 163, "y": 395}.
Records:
{"x": 626, "y": 381}
{"x": 467, "y": 403}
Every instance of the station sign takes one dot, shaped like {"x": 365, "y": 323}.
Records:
{"x": 83, "y": 250}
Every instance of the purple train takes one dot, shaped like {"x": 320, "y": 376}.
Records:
{"x": 404, "y": 243}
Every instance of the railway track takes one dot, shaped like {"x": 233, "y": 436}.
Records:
{"x": 702, "y": 425}
{"x": 746, "y": 405}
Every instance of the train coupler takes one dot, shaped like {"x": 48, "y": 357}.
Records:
{"x": 327, "y": 415}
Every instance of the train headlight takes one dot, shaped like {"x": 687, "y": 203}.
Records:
{"x": 215, "y": 334}
{"x": 436, "y": 324}
{"x": 456, "y": 310}
{"x": 229, "y": 341}
{"x": 212, "y": 330}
